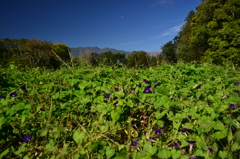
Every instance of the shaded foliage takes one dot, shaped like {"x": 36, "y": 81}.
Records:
{"x": 32, "y": 53}
{"x": 138, "y": 59}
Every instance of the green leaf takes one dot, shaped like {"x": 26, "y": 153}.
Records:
{"x": 2, "y": 121}
{"x": 218, "y": 125}
{"x": 158, "y": 103}
{"x": 55, "y": 96}
{"x": 104, "y": 128}
{"x": 237, "y": 135}
{"x": 223, "y": 154}
{"x": 99, "y": 99}
{"x": 233, "y": 99}
{"x": 79, "y": 137}
{"x": 220, "y": 134}
{"x": 21, "y": 149}
{"x": 4, "y": 153}
{"x": 198, "y": 94}
{"x": 176, "y": 153}
{"x": 164, "y": 153}
{"x": 160, "y": 115}
{"x": 110, "y": 152}
{"x": 83, "y": 84}
{"x": 149, "y": 149}
{"x": 130, "y": 103}
{"x": 115, "y": 114}
{"x": 235, "y": 146}
{"x": 164, "y": 90}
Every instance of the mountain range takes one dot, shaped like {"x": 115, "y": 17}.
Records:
{"x": 80, "y": 51}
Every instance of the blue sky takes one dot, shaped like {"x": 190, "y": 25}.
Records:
{"x": 120, "y": 24}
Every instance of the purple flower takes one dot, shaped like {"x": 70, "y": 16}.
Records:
{"x": 115, "y": 98}
{"x": 134, "y": 143}
{"x": 191, "y": 143}
{"x": 107, "y": 96}
{"x": 147, "y": 89}
{"x": 116, "y": 103}
{"x": 37, "y": 151}
{"x": 1, "y": 96}
{"x": 156, "y": 85}
{"x": 199, "y": 86}
{"x": 145, "y": 81}
{"x": 133, "y": 89}
{"x": 236, "y": 84}
{"x": 23, "y": 89}
{"x": 116, "y": 89}
{"x": 184, "y": 131}
{"x": 13, "y": 94}
{"x": 233, "y": 106}
{"x": 170, "y": 108}
{"x": 210, "y": 150}
{"x": 158, "y": 131}
{"x": 174, "y": 146}
{"x": 26, "y": 138}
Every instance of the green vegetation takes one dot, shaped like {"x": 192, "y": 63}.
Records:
{"x": 171, "y": 111}
{"x": 110, "y": 106}
{"x": 211, "y": 34}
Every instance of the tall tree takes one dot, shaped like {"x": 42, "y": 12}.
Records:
{"x": 216, "y": 29}
{"x": 138, "y": 59}
{"x": 62, "y": 50}
{"x": 169, "y": 52}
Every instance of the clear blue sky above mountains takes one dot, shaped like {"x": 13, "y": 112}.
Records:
{"x": 120, "y": 24}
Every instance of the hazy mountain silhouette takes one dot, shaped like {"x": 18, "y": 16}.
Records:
{"x": 85, "y": 50}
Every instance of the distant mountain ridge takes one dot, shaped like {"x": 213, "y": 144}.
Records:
{"x": 85, "y": 50}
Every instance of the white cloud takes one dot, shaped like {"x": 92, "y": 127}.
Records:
{"x": 176, "y": 28}
{"x": 169, "y": 31}
{"x": 162, "y": 35}
{"x": 121, "y": 16}
{"x": 164, "y": 24}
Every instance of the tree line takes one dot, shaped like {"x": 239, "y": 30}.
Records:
{"x": 137, "y": 59}
{"x": 211, "y": 34}
{"x": 32, "y": 53}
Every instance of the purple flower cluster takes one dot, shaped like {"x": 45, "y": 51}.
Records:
{"x": 26, "y": 138}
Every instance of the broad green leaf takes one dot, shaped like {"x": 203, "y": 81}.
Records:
{"x": 176, "y": 153}
{"x": 110, "y": 152}
{"x": 2, "y": 121}
{"x": 4, "y": 153}
{"x": 148, "y": 149}
{"x": 104, "y": 128}
{"x": 218, "y": 125}
{"x": 164, "y": 153}
{"x": 79, "y": 137}
{"x": 235, "y": 146}
{"x": 115, "y": 114}
{"x": 223, "y": 154}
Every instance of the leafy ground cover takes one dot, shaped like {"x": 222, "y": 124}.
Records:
{"x": 171, "y": 111}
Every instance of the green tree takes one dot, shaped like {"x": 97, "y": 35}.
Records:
{"x": 168, "y": 51}
{"x": 63, "y": 51}
{"x": 216, "y": 29}
{"x": 95, "y": 59}
{"x": 138, "y": 59}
